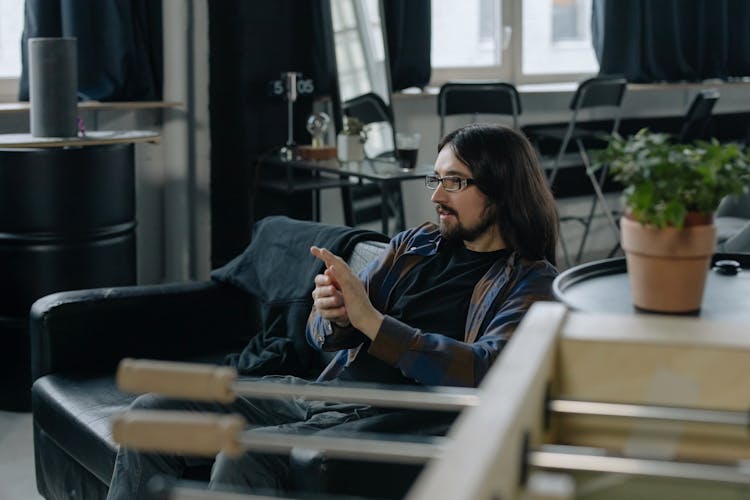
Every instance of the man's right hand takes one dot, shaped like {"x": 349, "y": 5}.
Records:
{"x": 329, "y": 301}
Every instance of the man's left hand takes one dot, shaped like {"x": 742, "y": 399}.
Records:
{"x": 362, "y": 314}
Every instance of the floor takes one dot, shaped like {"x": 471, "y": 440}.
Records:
{"x": 16, "y": 446}
{"x": 16, "y": 457}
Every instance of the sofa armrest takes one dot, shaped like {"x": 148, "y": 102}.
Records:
{"x": 88, "y": 331}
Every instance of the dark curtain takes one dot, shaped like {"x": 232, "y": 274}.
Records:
{"x": 672, "y": 40}
{"x": 251, "y": 43}
{"x": 119, "y": 45}
{"x": 408, "y": 27}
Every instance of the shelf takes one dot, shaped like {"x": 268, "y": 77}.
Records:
{"x": 93, "y": 138}
{"x": 23, "y": 107}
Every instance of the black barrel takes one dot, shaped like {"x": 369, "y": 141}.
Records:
{"x": 67, "y": 222}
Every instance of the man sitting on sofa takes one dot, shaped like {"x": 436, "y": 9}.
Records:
{"x": 435, "y": 309}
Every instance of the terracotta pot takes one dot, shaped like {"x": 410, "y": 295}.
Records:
{"x": 667, "y": 267}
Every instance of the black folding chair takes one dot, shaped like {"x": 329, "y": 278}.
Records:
{"x": 362, "y": 203}
{"x": 465, "y": 98}
{"x": 698, "y": 116}
{"x": 603, "y": 93}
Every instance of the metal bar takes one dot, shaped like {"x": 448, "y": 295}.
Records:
{"x": 637, "y": 467}
{"x": 457, "y": 399}
{"x": 359, "y": 448}
{"x": 696, "y": 415}
{"x": 442, "y": 399}
{"x": 598, "y": 190}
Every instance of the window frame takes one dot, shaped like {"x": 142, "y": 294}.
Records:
{"x": 510, "y": 70}
{"x": 9, "y": 89}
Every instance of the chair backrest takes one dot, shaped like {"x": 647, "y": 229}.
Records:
{"x": 600, "y": 91}
{"x": 456, "y": 98}
{"x": 362, "y": 203}
{"x": 369, "y": 108}
{"x": 698, "y": 116}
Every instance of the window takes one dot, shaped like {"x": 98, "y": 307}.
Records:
{"x": 11, "y": 28}
{"x": 557, "y": 37}
{"x": 467, "y": 36}
{"x": 360, "y": 49}
{"x": 516, "y": 40}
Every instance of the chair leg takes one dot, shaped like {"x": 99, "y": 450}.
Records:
{"x": 400, "y": 213}
{"x": 586, "y": 227}
{"x": 348, "y": 205}
{"x": 564, "y": 248}
{"x": 596, "y": 184}
{"x": 614, "y": 250}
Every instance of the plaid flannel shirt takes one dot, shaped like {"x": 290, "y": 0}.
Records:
{"x": 498, "y": 303}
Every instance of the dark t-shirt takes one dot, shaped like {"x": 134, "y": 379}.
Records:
{"x": 433, "y": 297}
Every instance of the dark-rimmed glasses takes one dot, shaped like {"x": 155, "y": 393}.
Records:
{"x": 451, "y": 183}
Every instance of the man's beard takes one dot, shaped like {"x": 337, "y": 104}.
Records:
{"x": 459, "y": 232}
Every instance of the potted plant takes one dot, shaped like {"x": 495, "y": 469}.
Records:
{"x": 350, "y": 141}
{"x": 667, "y": 232}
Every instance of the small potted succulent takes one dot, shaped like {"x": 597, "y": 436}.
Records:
{"x": 667, "y": 232}
{"x": 350, "y": 141}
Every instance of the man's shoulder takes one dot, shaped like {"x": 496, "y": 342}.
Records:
{"x": 427, "y": 231}
{"x": 536, "y": 276}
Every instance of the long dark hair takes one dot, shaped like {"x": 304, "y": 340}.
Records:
{"x": 506, "y": 169}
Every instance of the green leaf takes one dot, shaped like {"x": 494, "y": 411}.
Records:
{"x": 664, "y": 180}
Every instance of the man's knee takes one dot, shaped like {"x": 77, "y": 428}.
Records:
{"x": 251, "y": 470}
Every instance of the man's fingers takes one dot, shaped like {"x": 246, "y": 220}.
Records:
{"x": 323, "y": 291}
{"x": 332, "y": 279}
{"x": 340, "y": 275}
{"x": 337, "y": 314}
{"x": 324, "y": 255}
{"x": 327, "y": 256}
{"x": 322, "y": 280}
{"x": 328, "y": 302}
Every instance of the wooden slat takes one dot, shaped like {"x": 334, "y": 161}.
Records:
{"x": 483, "y": 458}
{"x": 661, "y": 360}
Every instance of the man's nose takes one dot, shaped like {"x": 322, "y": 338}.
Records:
{"x": 438, "y": 195}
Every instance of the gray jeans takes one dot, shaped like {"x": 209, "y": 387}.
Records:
{"x": 133, "y": 470}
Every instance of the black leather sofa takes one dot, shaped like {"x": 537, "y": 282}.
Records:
{"x": 78, "y": 337}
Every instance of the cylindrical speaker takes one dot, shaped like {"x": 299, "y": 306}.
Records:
{"x": 53, "y": 87}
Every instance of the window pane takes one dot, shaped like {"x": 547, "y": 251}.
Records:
{"x": 565, "y": 20}
{"x": 557, "y": 37}
{"x": 11, "y": 27}
{"x": 466, "y": 33}
{"x": 360, "y": 51}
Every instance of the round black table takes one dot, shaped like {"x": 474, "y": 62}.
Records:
{"x": 603, "y": 286}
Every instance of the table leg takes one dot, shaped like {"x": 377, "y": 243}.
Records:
{"x": 384, "y": 207}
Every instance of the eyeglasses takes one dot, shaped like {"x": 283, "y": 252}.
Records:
{"x": 450, "y": 183}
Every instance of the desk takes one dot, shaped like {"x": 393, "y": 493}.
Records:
{"x": 603, "y": 286}
{"x": 344, "y": 175}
